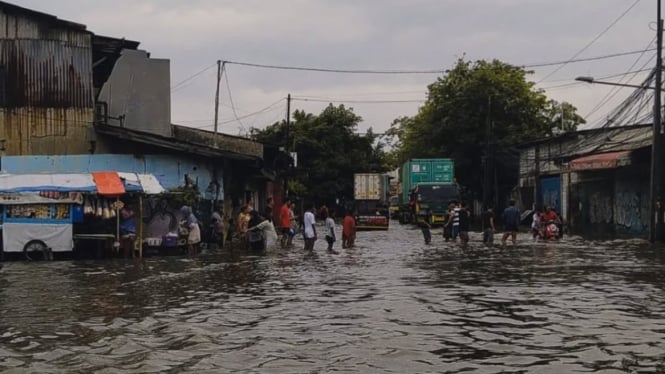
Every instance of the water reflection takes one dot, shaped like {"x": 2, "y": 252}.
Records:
{"x": 390, "y": 305}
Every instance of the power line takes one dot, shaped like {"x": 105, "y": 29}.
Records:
{"x": 332, "y": 70}
{"x": 228, "y": 89}
{"x": 367, "y": 93}
{"x": 431, "y": 71}
{"x": 572, "y": 82}
{"x": 585, "y": 59}
{"x": 593, "y": 40}
{"x": 260, "y": 111}
{"x": 179, "y": 84}
{"x": 615, "y": 90}
{"x": 332, "y": 100}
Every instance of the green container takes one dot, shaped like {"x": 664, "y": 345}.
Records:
{"x": 425, "y": 170}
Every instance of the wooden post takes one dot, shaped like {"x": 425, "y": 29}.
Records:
{"x": 140, "y": 236}
{"x": 117, "y": 220}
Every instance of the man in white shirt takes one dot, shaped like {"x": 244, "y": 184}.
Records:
{"x": 309, "y": 223}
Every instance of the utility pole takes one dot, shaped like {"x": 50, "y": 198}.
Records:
{"x": 286, "y": 146}
{"x": 657, "y": 162}
{"x": 288, "y": 120}
{"x": 219, "y": 80}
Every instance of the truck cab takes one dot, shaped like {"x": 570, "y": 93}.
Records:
{"x": 437, "y": 197}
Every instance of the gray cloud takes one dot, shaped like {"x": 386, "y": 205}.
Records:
{"x": 418, "y": 34}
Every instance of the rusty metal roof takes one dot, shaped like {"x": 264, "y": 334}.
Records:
{"x": 12, "y": 9}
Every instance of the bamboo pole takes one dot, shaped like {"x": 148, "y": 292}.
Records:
{"x": 117, "y": 221}
{"x": 140, "y": 238}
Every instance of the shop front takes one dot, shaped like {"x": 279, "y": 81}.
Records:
{"x": 43, "y": 214}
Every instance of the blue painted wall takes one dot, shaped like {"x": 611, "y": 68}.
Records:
{"x": 169, "y": 170}
{"x": 550, "y": 190}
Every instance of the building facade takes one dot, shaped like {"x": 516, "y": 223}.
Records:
{"x": 75, "y": 101}
{"x": 596, "y": 179}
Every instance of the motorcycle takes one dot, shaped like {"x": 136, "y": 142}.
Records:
{"x": 549, "y": 231}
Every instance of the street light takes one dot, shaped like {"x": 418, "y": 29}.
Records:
{"x": 594, "y": 81}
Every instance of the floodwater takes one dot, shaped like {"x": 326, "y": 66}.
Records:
{"x": 392, "y": 305}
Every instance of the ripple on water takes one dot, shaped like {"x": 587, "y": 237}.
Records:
{"x": 390, "y": 305}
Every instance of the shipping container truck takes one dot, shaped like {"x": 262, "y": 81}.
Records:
{"x": 371, "y": 195}
{"x": 427, "y": 184}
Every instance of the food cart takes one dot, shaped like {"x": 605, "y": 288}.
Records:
{"x": 40, "y": 211}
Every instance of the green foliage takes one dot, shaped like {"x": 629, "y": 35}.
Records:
{"x": 185, "y": 195}
{"x": 477, "y": 109}
{"x": 329, "y": 152}
{"x": 296, "y": 188}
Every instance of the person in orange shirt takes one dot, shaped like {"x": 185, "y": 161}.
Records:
{"x": 550, "y": 216}
{"x": 348, "y": 230}
{"x": 285, "y": 222}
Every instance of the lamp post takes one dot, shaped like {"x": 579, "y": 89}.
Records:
{"x": 657, "y": 185}
{"x": 594, "y": 81}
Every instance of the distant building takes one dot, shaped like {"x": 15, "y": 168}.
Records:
{"x": 598, "y": 180}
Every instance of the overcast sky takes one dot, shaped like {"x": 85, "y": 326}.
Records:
{"x": 371, "y": 34}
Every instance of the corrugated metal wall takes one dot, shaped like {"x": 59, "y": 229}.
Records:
{"x": 46, "y": 87}
{"x": 45, "y": 73}
{"x": 46, "y": 131}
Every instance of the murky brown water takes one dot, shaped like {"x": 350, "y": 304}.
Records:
{"x": 391, "y": 305}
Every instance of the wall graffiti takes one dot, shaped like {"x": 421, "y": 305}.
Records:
{"x": 600, "y": 208}
{"x": 632, "y": 204}
{"x": 628, "y": 210}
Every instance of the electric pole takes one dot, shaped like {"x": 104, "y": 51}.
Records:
{"x": 286, "y": 146}
{"x": 288, "y": 120}
{"x": 219, "y": 80}
{"x": 657, "y": 170}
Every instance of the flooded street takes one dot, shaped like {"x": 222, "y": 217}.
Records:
{"x": 390, "y": 305}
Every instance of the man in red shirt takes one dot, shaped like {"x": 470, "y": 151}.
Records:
{"x": 550, "y": 216}
{"x": 285, "y": 222}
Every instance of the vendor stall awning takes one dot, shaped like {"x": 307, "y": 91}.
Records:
{"x": 146, "y": 183}
{"x": 609, "y": 160}
{"x": 108, "y": 183}
{"x": 104, "y": 183}
{"x": 47, "y": 182}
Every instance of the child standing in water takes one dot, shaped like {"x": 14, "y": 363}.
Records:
{"x": 330, "y": 229}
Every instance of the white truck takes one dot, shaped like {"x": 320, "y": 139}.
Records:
{"x": 371, "y": 195}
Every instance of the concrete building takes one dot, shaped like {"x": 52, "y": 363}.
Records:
{"x": 597, "y": 179}
{"x": 74, "y": 101}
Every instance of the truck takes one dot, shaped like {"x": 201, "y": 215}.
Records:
{"x": 427, "y": 184}
{"x": 371, "y": 194}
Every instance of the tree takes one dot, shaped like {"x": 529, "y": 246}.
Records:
{"x": 563, "y": 117}
{"x": 476, "y": 114}
{"x": 329, "y": 151}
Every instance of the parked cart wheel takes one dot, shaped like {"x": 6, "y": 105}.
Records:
{"x": 37, "y": 250}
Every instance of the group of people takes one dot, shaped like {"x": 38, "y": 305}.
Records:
{"x": 545, "y": 224}
{"x": 456, "y": 225}
{"x": 188, "y": 229}
{"x": 289, "y": 226}
{"x": 458, "y": 220}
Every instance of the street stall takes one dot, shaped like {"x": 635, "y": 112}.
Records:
{"x": 47, "y": 213}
